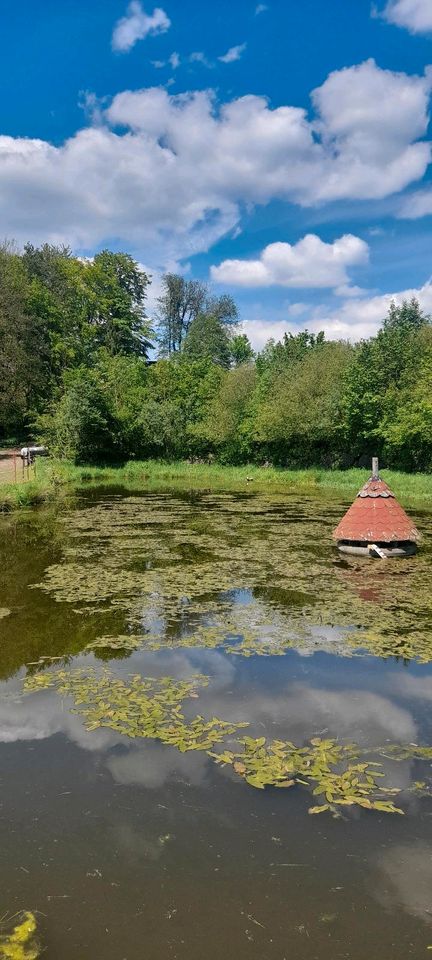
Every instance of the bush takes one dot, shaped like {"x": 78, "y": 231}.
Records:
{"x": 82, "y": 427}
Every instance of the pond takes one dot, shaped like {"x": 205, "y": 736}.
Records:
{"x": 215, "y": 733}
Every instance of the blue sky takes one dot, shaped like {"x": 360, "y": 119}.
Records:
{"x": 278, "y": 149}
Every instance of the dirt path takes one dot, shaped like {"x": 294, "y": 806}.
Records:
{"x": 7, "y": 467}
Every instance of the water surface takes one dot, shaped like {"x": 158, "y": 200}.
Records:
{"x": 129, "y": 848}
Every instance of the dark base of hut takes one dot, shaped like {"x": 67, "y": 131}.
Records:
{"x": 403, "y": 548}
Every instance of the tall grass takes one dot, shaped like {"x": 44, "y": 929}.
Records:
{"x": 55, "y": 479}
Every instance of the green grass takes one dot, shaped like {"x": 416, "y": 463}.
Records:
{"x": 55, "y": 479}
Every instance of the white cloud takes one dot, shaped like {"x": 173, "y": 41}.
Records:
{"x": 372, "y": 117}
{"x": 198, "y": 56}
{"x": 416, "y": 205}
{"x": 233, "y": 54}
{"x": 169, "y": 175}
{"x": 308, "y": 263}
{"x": 296, "y": 309}
{"x": 355, "y": 319}
{"x": 347, "y": 291}
{"x": 174, "y": 60}
{"x": 137, "y": 25}
{"x": 261, "y": 8}
{"x": 415, "y": 15}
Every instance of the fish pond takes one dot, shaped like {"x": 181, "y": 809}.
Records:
{"x": 215, "y": 733}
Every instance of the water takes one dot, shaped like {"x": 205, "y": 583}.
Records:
{"x": 127, "y": 847}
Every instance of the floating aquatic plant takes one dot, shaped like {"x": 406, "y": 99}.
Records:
{"x": 20, "y": 942}
{"x": 183, "y": 562}
{"x": 127, "y": 643}
{"x": 141, "y": 707}
{"x": 341, "y": 775}
{"x": 332, "y": 770}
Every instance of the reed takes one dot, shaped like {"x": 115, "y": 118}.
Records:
{"x": 55, "y": 479}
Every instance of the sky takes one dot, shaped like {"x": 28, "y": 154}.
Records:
{"x": 279, "y": 150}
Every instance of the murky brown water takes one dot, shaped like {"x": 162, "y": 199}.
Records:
{"x": 127, "y": 847}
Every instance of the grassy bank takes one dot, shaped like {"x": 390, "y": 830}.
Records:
{"x": 56, "y": 479}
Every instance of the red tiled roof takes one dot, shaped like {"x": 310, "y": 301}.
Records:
{"x": 376, "y": 516}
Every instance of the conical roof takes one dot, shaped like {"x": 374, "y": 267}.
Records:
{"x": 376, "y": 517}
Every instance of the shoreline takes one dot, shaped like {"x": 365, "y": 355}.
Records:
{"x": 54, "y": 479}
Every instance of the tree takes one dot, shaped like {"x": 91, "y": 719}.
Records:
{"x": 22, "y": 346}
{"x": 82, "y": 426}
{"x": 229, "y": 422}
{"x": 241, "y": 349}
{"x": 180, "y": 303}
{"x": 299, "y": 420}
{"x": 379, "y": 366}
{"x": 117, "y": 306}
{"x": 180, "y": 389}
{"x": 208, "y": 337}
{"x": 285, "y": 353}
{"x": 406, "y": 424}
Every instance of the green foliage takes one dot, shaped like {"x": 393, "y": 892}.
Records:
{"x": 22, "y": 345}
{"x": 374, "y": 386}
{"x": 299, "y": 416}
{"x": 67, "y": 322}
{"x": 341, "y": 775}
{"x": 208, "y": 338}
{"x": 82, "y": 426}
{"x": 118, "y": 287}
{"x": 180, "y": 304}
{"x": 406, "y": 424}
{"x": 143, "y": 707}
{"x": 56, "y": 313}
{"x": 229, "y": 424}
{"x": 331, "y": 769}
{"x": 241, "y": 349}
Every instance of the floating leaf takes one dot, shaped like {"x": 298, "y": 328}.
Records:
{"x": 144, "y": 707}
{"x": 156, "y": 558}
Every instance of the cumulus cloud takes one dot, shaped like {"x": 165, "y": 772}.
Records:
{"x": 170, "y": 175}
{"x": 354, "y": 319}
{"x": 360, "y": 318}
{"x": 418, "y": 204}
{"x": 308, "y": 263}
{"x": 137, "y": 25}
{"x": 415, "y": 15}
{"x": 233, "y": 54}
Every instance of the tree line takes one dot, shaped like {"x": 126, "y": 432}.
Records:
{"x": 77, "y": 373}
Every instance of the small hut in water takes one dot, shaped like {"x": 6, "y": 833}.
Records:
{"x": 376, "y": 525}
